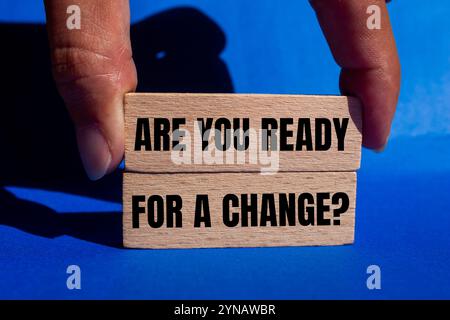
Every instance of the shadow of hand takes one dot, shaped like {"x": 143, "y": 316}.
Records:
{"x": 175, "y": 51}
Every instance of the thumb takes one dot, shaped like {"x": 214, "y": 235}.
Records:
{"x": 93, "y": 69}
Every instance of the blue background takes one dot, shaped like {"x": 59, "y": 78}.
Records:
{"x": 403, "y": 209}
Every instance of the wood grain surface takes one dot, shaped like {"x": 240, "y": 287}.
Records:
{"x": 216, "y": 185}
{"x": 252, "y": 106}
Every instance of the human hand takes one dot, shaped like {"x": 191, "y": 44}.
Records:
{"x": 93, "y": 69}
{"x": 369, "y": 61}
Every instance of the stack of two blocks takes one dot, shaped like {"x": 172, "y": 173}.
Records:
{"x": 228, "y": 170}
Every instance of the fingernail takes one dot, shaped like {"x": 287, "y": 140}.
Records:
{"x": 381, "y": 149}
{"x": 94, "y": 151}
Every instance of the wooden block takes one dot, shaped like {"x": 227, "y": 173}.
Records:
{"x": 319, "y": 198}
{"x": 210, "y": 193}
{"x": 300, "y": 121}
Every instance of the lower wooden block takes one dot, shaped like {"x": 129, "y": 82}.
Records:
{"x": 200, "y": 210}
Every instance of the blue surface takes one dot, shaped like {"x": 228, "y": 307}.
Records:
{"x": 403, "y": 208}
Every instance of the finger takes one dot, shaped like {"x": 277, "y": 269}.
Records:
{"x": 93, "y": 69}
{"x": 369, "y": 61}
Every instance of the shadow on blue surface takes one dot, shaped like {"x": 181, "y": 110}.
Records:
{"x": 175, "y": 51}
{"x": 99, "y": 227}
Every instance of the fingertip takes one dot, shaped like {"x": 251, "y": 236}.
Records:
{"x": 376, "y": 144}
{"x": 380, "y": 150}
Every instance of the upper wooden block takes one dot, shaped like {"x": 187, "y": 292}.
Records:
{"x": 304, "y": 133}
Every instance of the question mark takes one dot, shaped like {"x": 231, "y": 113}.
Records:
{"x": 339, "y": 197}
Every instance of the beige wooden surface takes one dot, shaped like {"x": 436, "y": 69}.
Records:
{"x": 217, "y": 185}
{"x": 255, "y": 107}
